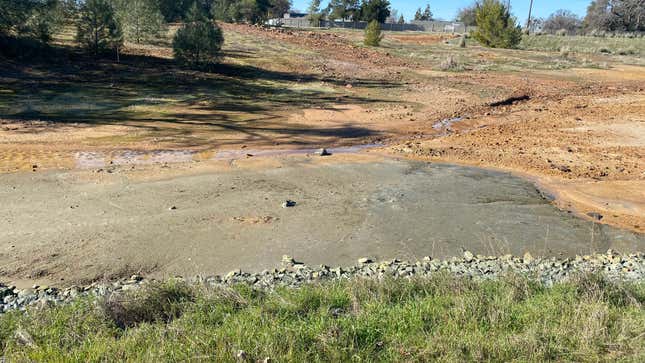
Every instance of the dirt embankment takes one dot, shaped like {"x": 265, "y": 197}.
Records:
{"x": 425, "y": 39}
{"x": 336, "y": 45}
{"x": 589, "y": 149}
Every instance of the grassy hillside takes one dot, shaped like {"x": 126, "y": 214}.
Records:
{"x": 445, "y": 318}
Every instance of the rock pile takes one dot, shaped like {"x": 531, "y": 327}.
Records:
{"x": 293, "y": 274}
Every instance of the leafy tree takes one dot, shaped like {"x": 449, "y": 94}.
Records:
{"x": 536, "y": 25}
{"x": 496, "y": 27}
{"x": 373, "y": 34}
{"x": 598, "y": 16}
{"x": 314, "y": 12}
{"x": 616, "y": 15}
{"x": 140, "y": 19}
{"x": 562, "y": 20}
{"x": 630, "y": 14}
{"x": 425, "y": 15}
{"x": 253, "y": 11}
{"x": 198, "y": 43}
{"x": 277, "y": 8}
{"x": 377, "y": 10}
{"x": 467, "y": 15}
{"x": 344, "y": 9}
{"x": 98, "y": 29}
{"x": 250, "y": 11}
{"x": 224, "y": 10}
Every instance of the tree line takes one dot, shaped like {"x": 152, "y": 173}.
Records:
{"x": 102, "y": 26}
{"x": 352, "y": 10}
{"x": 40, "y": 18}
{"x": 617, "y": 16}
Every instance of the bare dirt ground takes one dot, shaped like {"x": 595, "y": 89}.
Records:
{"x": 574, "y": 128}
{"x": 423, "y": 39}
{"x": 586, "y": 148}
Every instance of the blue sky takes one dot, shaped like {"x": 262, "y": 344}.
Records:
{"x": 448, "y": 9}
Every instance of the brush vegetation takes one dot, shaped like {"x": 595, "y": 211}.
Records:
{"x": 585, "y": 44}
{"x": 441, "y": 318}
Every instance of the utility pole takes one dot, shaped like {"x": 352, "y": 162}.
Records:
{"x": 528, "y": 21}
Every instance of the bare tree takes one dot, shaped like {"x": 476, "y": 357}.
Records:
{"x": 562, "y": 20}
{"x": 616, "y": 15}
{"x": 467, "y": 15}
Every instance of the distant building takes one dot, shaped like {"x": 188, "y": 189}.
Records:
{"x": 294, "y": 15}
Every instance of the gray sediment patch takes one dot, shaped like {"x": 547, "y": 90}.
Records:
{"x": 222, "y": 221}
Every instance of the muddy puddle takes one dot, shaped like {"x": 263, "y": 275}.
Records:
{"x": 445, "y": 124}
{"x": 56, "y": 227}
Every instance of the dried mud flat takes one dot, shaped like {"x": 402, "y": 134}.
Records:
{"x": 73, "y": 227}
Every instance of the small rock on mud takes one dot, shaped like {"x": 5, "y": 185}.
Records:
{"x": 323, "y": 152}
{"x": 288, "y": 204}
{"x": 595, "y": 215}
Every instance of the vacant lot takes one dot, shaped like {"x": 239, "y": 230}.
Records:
{"x": 571, "y": 121}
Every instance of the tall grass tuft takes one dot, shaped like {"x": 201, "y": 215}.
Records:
{"x": 156, "y": 303}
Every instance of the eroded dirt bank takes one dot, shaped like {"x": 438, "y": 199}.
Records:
{"x": 70, "y": 227}
{"x": 588, "y": 150}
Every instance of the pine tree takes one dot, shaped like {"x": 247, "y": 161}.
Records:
{"x": 97, "y": 28}
{"x": 496, "y": 28}
{"x": 377, "y": 10}
{"x": 423, "y": 15}
{"x": 30, "y": 18}
{"x": 427, "y": 14}
{"x": 373, "y": 34}
{"x": 140, "y": 19}
{"x": 401, "y": 20}
{"x": 418, "y": 14}
{"x": 198, "y": 43}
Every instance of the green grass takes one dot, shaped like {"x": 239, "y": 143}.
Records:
{"x": 544, "y": 52}
{"x": 630, "y": 49}
{"x": 442, "y": 318}
{"x": 477, "y": 58}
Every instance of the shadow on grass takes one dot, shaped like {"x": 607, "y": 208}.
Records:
{"x": 157, "y": 96}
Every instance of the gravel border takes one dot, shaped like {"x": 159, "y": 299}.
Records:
{"x": 613, "y": 265}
